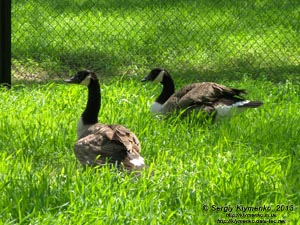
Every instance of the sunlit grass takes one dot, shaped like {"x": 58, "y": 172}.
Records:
{"x": 252, "y": 159}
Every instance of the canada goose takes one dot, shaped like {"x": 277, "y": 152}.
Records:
{"x": 210, "y": 98}
{"x": 100, "y": 143}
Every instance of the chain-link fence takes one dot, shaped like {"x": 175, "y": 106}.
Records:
{"x": 52, "y": 38}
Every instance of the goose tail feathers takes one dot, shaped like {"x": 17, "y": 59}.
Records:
{"x": 250, "y": 104}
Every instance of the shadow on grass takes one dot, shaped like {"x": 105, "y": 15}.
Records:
{"x": 108, "y": 72}
{"x": 273, "y": 74}
{"x": 110, "y": 66}
{"x": 62, "y": 66}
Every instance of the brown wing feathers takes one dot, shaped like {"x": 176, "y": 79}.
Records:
{"x": 198, "y": 94}
{"x": 102, "y": 143}
{"x": 214, "y": 90}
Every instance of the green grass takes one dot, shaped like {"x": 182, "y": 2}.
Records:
{"x": 250, "y": 160}
{"x": 52, "y": 38}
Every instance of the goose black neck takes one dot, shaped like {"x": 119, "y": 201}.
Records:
{"x": 90, "y": 114}
{"x": 167, "y": 91}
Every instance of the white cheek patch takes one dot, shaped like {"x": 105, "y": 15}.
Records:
{"x": 159, "y": 77}
{"x": 86, "y": 81}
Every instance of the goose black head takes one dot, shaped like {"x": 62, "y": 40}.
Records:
{"x": 82, "y": 77}
{"x": 156, "y": 75}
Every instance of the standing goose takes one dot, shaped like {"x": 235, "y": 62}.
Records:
{"x": 100, "y": 143}
{"x": 210, "y": 98}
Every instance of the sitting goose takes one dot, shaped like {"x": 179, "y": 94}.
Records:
{"x": 100, "y": 143}
{"x": 210, "y": 98}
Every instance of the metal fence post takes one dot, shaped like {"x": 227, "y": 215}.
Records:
{"x": 5, "y": 42}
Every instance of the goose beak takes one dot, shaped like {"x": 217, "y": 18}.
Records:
{"x": 145, "y": 79}
{"x": 68, "y": 81}
{"x": 72, "y": 80}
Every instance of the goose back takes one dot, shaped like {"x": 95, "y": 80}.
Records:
{"x": 202, "y": 96}
{"x": 108, "y": 143}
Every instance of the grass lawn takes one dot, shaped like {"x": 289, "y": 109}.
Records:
{"x": 201, "y": 171}
{"x": 250, "y": 160}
